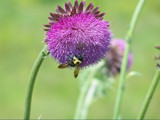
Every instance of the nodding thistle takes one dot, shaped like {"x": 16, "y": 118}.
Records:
{"x": 77, "y": 36}
{"x": 115, "y": 56}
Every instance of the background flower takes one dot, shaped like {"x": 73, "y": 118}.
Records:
{"x": 115, "y": 56}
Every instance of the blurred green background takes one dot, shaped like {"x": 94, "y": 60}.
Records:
{"x": 56, "y": 91}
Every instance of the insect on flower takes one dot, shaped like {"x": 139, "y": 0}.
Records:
{"x": 77, "y": 36}
{"x": 74, "y": 61}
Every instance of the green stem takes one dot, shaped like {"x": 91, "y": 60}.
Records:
{"x": 88, "y": 99}
{"x": 125, "y": 58}
{"x": 81, "y": 99}
{"x": 149, "y": 95}
{"x": 31, "y": 81}
{"x": 79, "y": 114}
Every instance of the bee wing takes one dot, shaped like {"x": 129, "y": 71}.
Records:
{"x": 76, "y": 71}
{"x": 61, "y": 66}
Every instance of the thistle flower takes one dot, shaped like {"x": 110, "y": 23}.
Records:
{"x": 115, "y": 56}
{"x": 77, "y": 36}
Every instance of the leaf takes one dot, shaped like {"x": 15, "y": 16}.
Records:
{"x": 99, "y": 73}
{"x": 133, "y": 73}
{"x": 103, "y": 87}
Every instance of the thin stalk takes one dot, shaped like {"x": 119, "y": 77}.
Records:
{"x": 125, "y": 59}
{"x": 84, "y": 91}
{"x": 149, "y": 95}
{"x": 88, "y": 99}
{"x": 30, "y": 85}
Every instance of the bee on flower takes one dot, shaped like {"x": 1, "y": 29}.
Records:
{"x": 77, "y": 36}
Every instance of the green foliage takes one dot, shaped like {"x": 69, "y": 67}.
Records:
{"x": 133, "y": 73}
{"x": 98, "y": 72}
{"x": 94, "y": 84}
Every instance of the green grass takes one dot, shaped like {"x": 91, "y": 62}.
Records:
{"x": 56, "y": 91}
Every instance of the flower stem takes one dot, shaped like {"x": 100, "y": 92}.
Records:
{"x": 83, "y": 94}
{"x": 149, "y": 95}
{"x": 125, "y": 58}
{"x": 79, "y": 109}
{"x": 88, "y": 99}
{"x": 31, "y": 81}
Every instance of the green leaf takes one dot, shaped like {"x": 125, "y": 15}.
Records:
{"x": 133, "y": 73}
{"x": 98, "y": 72}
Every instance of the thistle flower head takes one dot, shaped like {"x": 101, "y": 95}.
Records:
{"x": 115, "y": 56}
{"x": 77, "y": 31}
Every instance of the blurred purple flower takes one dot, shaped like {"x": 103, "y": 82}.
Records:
{"x": 115, "y": 56}
{"x": 76, "y": 31}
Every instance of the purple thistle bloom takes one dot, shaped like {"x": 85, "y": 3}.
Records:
{"x": 76, "y": 31}
{"x": 115, "y": 56}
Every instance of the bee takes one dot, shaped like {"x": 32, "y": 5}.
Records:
{"x": 74, "y": 61}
